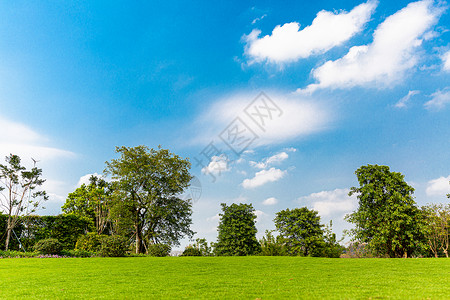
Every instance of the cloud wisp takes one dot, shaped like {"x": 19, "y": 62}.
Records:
{"x": 439, "y": 100}
{"x": 288, "y": 43}
{"x": 438, "y": 187}
{"x": 402, "y": 103}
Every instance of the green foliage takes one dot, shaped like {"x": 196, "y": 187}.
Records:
{"x": 147, "y": 183}
{"x": 272, "y": 246}
{"x": 437, "y": 228}
{"x": 387, "y": 218}
{"x": 159, "y": 250}
{"x": 48, "y": 246}
{"x": 89, "y": 242}
{"x": 190, "y": 250}
{"x": 78, "y": 253}
{"x": 113, "y": 246}
{"x": 237, "y": 231}
{"x": 301, "y": 231}
{"x": 91, "y": 201}
{"x": 19, "y": 194}
{"x": 17, "y": 254}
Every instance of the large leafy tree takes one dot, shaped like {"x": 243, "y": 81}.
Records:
{"x": 19, "y": 192}
{"x": 387, "y": 217}
{"x": 148, "y": 184}
{"x": 437, "y": 227}
{"x": 237, "y": 231}
{"x": 91, "y": 201}
{"x": 301, "y": 231}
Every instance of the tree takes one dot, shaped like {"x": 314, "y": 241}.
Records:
{"x": 147, "y": 184}
{"x": 437, "y": 227}
{"x": 91, "y": 201}
{"x": 18, "y": 190}
{"x": 301, "y": 231}
{"x": 272, "y": 245}
{"x": 237, "y": 231}
{"x": 387, "y": 218}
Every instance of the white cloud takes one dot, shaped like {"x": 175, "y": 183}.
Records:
{"x": 402, "y": 102}
{"x": 331, "y": 202}
{"x": 438, "y": 100}
{"x": 446, "y": 61}
{"x": 288, "y": 43}
{"x": 259, "y": 19}
{"x": 259, "y": 215}
{"x": 270, "y": 201}
{"x": 385, "y": 61}
{"x": 263, "y": 177}
{"x": 217, "y": 165}
{"x": 21, "y": 140}
{"x": 439, "y": 186}
{"x": 300, "y": 117}
{"x": 277, "y": 158}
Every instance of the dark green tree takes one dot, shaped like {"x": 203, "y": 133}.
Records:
{"x": 19, "y": 194}
{"x": 237, "y": 231}
{"x": 92, "y": 201}
{"x": 387, "y": 218}
{"x": 148, "y": 184}
{"x": 301, "y": 231}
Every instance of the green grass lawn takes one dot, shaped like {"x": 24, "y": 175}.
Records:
{"x": 224, "y": 278}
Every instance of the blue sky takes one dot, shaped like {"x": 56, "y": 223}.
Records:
{"x": 350, "y": 83}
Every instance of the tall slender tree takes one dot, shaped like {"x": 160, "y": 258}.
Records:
{"x": 19, "y": 190}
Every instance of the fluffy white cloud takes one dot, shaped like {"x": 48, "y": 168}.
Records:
{"x": 331, "y": 202}
{"x": 217, "y": 165}
{"x": 300, "y": 116}
{"x": 402, "y": 102}
{"x": 438, "y": 100}
{"x": 21, "y": 140}
{"x": 439, "y": 186}
{"x": 277, "y": 158}
{"x": 263, "y": 177}
{"x": 259, "y": 214}
{"x": 446, "y": 61}
{"x": 288, "y": 43}
{"x": 270, "y": 201}
{"x": 385, "y": 61}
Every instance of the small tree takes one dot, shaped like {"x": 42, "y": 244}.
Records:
{"x": 301, "y": 231}
{"x": 91, "y": 201}
{"x": 18, "y": 190}
{"x": 237, "y": 231}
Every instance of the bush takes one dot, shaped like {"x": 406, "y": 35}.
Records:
{"x": 48, "y": 246}
{"x": 159, "y": 250}
{"x": 191, "y": 251}
{"x": 113, "y": 245}
{"x": 17, "y": 254}
{"x": 89, "y": 242}
{"x": 78, "y": 253}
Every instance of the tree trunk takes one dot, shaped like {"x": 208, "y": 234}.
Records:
{"x": 138, "y": 239}
{"x": 8, "y": 235}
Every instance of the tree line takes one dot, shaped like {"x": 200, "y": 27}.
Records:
{"x": 141, "y": 208}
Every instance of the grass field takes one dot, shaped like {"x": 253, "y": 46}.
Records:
{"x": 224, "y": 278}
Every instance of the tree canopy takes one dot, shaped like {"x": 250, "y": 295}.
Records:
{"x": 237, "y": 231}
{"x": 387, "y": 217}
{"x": 148, "y": 183}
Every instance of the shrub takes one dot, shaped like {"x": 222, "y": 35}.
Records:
{"x": 159, "y": 250}
{"x": 113, "y": 245}
{"x": 48, "y": 246}
{"x": 89, "y": 242}
{"x": 191, "y": 251}
{"x": 78, "y": 253}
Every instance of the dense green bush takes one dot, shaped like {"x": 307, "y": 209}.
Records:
{"x": 191, "y": 251}
{"x": 48, "y": 246}
{"x": 14, "y": 254}
{"x": 159, "y": 250}
{"x": 89, "y": 242}
{"x": 113, "y": 245}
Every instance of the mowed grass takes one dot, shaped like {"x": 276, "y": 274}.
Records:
{"x": 224, "y": 278}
